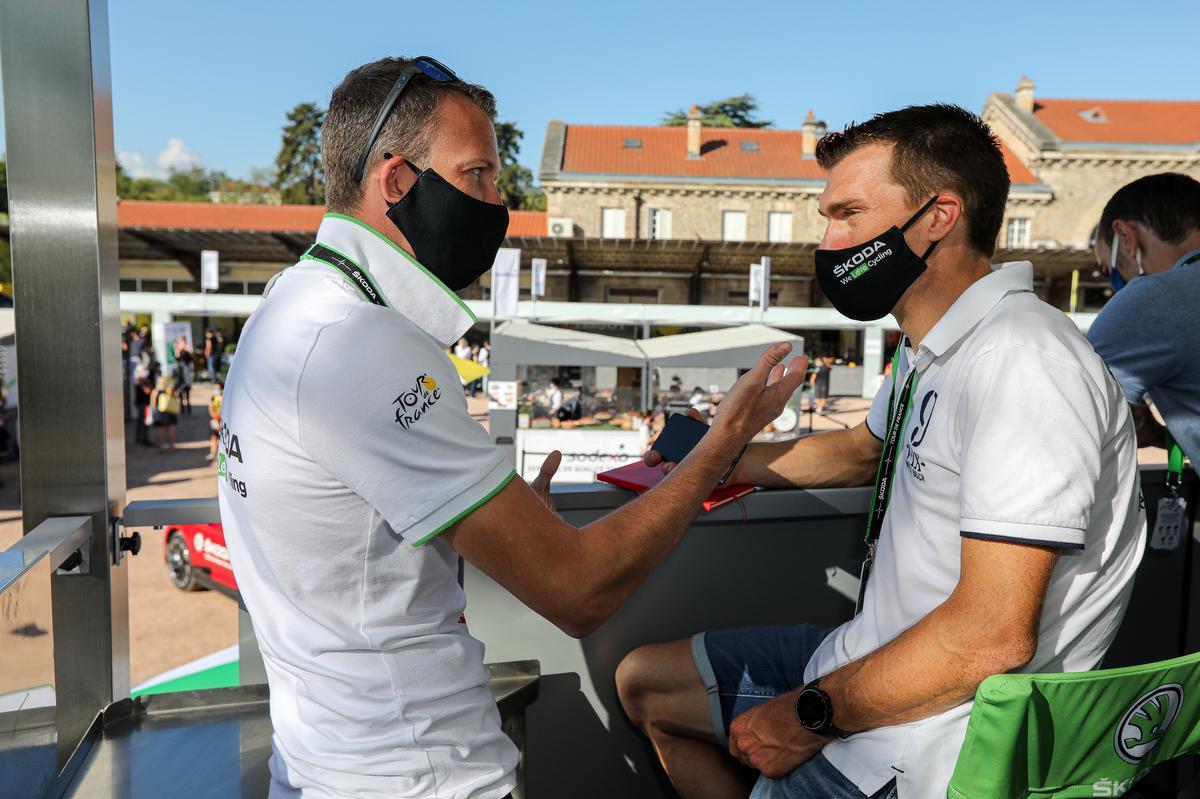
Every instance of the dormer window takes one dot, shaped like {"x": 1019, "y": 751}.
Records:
{"x": 1093, "y": 115}
{"x": 632, "y": 144}
{"x": 749, "y": 146}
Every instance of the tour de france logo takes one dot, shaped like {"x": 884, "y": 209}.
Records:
{"x": 1143, "y": 726}
{"x": 415, "y": 402}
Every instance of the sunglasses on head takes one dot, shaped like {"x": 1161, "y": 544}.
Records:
{"x": 423, "y": 65}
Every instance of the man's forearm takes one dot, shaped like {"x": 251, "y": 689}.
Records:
{"x": 935, "y": 665}
{"x": 624, "y": 546}
{"x": 831, "y": 459}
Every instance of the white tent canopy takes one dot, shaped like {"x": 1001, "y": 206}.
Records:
{"x": 736, "y": 347}
{"x": 527, "y": 344}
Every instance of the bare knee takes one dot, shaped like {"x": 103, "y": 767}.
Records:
{"x": 636, "y": 684}
{"x": 659, "y": 687}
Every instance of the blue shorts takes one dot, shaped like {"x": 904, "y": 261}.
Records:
{"x": 744, "y": 667}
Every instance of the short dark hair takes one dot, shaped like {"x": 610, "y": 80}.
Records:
{"x": 1168, "y": 204}
{"x": 936, "y": 147}
{"x": 352, "y": 111}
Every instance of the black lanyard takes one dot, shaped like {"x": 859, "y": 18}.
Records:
{"x": 898, "y": 407}
{"x": 356, "y": 274}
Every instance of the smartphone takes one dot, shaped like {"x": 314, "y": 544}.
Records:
{"x": 680, "y": 436}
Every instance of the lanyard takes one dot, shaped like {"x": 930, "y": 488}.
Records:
{"x": 898, "y": 408}
{"x": 1174, "y": 465}
{"x": 355, "y": 273}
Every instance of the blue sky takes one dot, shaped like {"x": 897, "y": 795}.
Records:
{"x": 210, "y": 82}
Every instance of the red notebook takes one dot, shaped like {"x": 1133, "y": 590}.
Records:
{"x": 641, "y": 478}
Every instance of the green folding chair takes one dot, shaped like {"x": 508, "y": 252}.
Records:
{"x": 1087, "y": 734}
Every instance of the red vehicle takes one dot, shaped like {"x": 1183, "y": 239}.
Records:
{"x": 197, "y": 559}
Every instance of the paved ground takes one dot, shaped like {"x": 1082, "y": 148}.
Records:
{"x": 168, "y": 627}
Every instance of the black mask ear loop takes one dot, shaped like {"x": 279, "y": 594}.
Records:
{"x": 913, "y": 219}
{"x": 416, "y": 171}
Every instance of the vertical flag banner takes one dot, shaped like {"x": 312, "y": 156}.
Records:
{"x": 506, "y": 283}
{"x": 210, "y": 275}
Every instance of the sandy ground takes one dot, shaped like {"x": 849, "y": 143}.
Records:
{"x": 168, "y": 627}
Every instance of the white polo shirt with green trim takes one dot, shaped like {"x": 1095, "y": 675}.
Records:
{"x": 346, "y": 448}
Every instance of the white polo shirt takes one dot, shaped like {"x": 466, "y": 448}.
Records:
{"x": 1017, "y": 432}
{"x": 346, "y": 448}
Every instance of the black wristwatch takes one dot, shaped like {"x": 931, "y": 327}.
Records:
{"x": 814, "y": 710}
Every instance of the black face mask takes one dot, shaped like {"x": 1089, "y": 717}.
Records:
{"x": 452, "y": 234}
{"x": 866, "y": 281}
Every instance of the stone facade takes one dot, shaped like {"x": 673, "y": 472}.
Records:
{"x": 696, "y": 210}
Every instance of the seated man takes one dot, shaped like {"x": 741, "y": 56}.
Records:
{"x": 1149, "y": 238}
{"x": 1005, "y": 524}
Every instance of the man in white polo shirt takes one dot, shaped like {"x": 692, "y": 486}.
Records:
{"x": 1005, "y": 526}
{"x": 351, "y": 477}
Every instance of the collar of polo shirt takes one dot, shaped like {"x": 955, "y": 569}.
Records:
{"x": 971, "y": 306}
{"x": 406, "y": 286}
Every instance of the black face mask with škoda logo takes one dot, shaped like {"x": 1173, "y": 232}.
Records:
{"x": 866, "y": 281}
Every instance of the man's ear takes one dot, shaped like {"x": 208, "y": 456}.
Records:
{"x": 394, "y": 179}
{"x": 945, "y": 214}
{"x": 1126, "y": 237}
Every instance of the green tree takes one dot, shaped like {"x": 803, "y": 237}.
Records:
{"x": 732, "y": 112}
{"x": 515, "y": 182}
{"x": 300, "y": 177}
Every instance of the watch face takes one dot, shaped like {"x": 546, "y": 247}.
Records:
{"x": 812, "y": 709}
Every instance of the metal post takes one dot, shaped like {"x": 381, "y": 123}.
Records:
{"x": 63, "y": 219}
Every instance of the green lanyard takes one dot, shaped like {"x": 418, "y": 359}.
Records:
{"x": 898, "y": 408}
{"x": 1174, "y": 465}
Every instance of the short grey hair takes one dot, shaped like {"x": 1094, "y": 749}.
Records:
{"x": 408, "y": 130}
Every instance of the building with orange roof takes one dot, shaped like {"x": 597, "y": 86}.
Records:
{"x": 1083, "y": 151}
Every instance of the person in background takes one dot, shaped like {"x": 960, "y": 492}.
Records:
{"x": 555, "y": 396}
{"x": 484, "y": 357}
{"x": 184, "y": 361}
{"x": 214, "y": 420}
{"x": 473, "y": 388}
{"x": 143, "y": 388}
{"x": 210, "y": 351}
{"x": 820, "y": 382}
{"x": 165, "y": 409}
{"x": 1148, "y": 241}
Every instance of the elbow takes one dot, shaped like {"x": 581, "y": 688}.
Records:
{"x": 583, "y": 616}
{"x": 1008, "y": 653}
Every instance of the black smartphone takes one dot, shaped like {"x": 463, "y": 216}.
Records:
{"x": 680, "y": 436}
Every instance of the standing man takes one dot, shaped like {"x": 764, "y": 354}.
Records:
{"x": 352, "y": 479}
{"x": 820, "y": 382}
{"x": 1005, "y": 443}
{"x": 1147, "y": 332}
{"x": 210, "y": 348}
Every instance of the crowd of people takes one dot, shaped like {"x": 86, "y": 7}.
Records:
{"x": 157, "y": 395}
{"x": 481, "y": 354}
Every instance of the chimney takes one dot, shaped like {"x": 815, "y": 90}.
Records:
{"x": 1024, "y": 93}
{"x": 811, "y": 131}
{"x": 693, "y": 133}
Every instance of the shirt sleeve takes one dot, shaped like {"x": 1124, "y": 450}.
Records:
{"x": 1031, "y": 430}
{"x": 382, "y": 409}
{"x": 1132, "y": 336}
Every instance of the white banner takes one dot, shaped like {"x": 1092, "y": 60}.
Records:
{"x": 756, "y": 271}
{"x": 210, "y": 273}
{"x": 172, "y": 333}
{"x": 765, "y": 291}
{"x": 506, "y": 283}
{"x": 538, "y": 286}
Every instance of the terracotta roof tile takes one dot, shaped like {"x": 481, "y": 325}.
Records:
{"x": 597, "y": 149}
{"x": 1018, "y": 173}
{"x": 593, "y": 149}
{"x": 263, "y": 218}
{"x": 1122, "y": 121}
